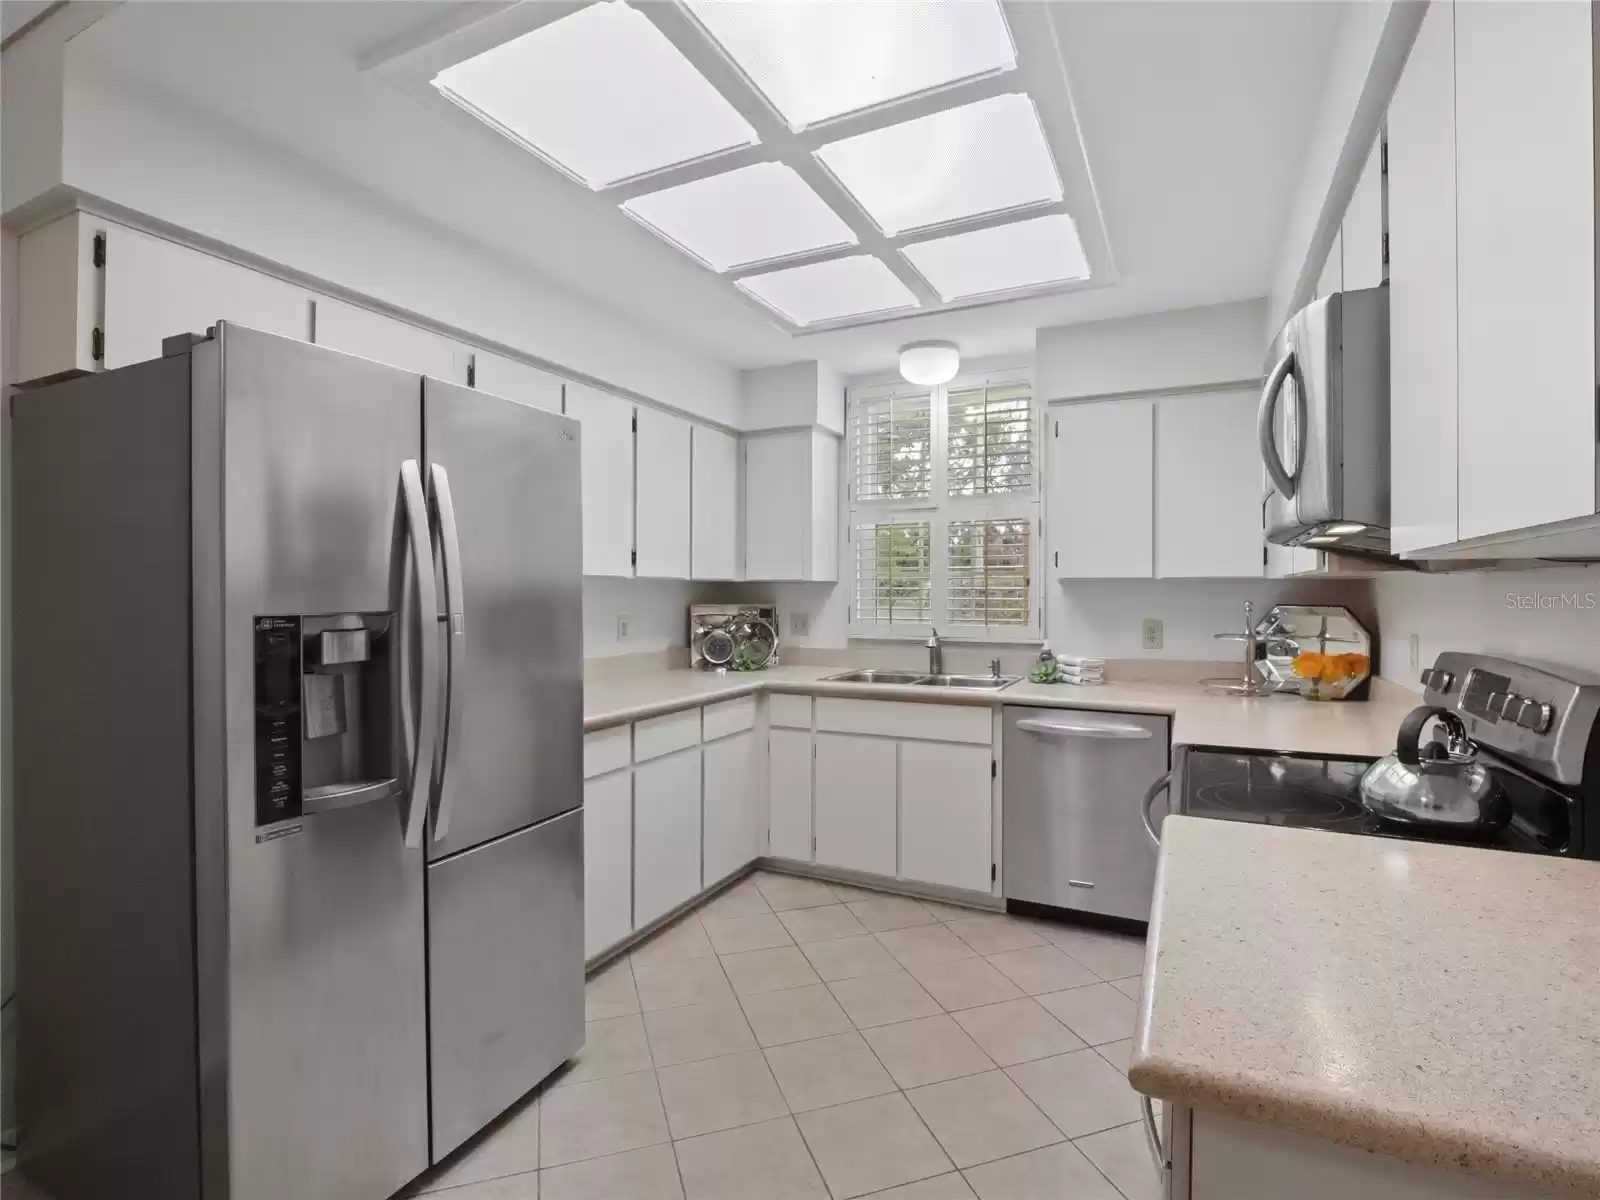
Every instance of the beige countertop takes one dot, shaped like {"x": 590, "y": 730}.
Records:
{"x": 1436, "y": 1003}
{"x": 1272, "y": 723}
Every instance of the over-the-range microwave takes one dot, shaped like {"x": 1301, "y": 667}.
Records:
{"x": 1324, "y": 425}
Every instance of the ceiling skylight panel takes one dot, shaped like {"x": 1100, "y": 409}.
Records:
{"x": 1002, "y": 258}
{"x": 819, "y": 59}
{"x": 962, "y": 162}
{"x": 601, "y": 94}
{"x": 826, "y": 291}
{"x": 755, "y": 214}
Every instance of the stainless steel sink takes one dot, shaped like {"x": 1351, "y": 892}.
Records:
{"x": 878, "y": 677}
{"x": 982, "y": 683}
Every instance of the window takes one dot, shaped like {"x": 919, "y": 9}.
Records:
{"x": 944, "y": 509}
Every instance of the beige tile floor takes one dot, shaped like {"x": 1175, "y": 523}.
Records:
{"x": 795, "y": 1040}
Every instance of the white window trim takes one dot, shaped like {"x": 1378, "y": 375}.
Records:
{"x": 940, "y": 510}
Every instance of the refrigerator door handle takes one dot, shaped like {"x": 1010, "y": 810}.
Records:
{"x": 443, "y": 511}
{"x": 421, "y": 592}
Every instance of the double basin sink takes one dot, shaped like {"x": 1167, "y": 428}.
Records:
{"x": 981, "y": 683}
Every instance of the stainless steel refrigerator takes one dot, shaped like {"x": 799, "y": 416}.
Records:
{"x": 298, "y": 727}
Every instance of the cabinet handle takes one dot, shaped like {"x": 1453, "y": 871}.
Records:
{"x": 1152, "y": 1135}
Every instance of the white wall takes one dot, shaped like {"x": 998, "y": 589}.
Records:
{"x": 1551, "y": 614}
{"x": 136, "y": 149}
{"x": 1221, "y": 343}
{"x": 657, "y": 611}
{"x": 801, "y": 393}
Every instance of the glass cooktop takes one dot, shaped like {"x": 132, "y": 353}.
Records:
{"x": 1325, "y": 793}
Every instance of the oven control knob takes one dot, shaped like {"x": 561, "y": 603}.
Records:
{"x": 1509, "y": 707}
{"x": 1440, "y": 681}
{"x": 1535, "y": 716}
{"x": 1495, "y": 702}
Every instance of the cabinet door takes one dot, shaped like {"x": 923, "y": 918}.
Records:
{"x": 946, "y": 814}
{"x": 789, "y": 794}
{"x": 1208, "y": 491}
{"x": 777, "y": 472}
{"x": 855, "y": 802}
{"x": 666, "y": 833}
{"x": 821, "y": 535}
{"x": 732, "y": 820}
{"x": 156, "y": 288}
{"x": 607, "y": 861}
{"x": 661, "y": 495}
{"x": 1422, "y": 289}
{"x": 714, "y": 505}
{"x": 1525, "y": 254}
{"x": 386, "y": 340}
{"x": 501, "y": 376}
{"x": 607, "y": 459}
{"x": 1361, "y": 235}
{"x": 1101, "y": 488}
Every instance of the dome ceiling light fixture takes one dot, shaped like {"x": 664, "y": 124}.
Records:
{"x": 929, "y": 363}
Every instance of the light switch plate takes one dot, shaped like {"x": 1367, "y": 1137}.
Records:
{"x": 799, "y": 624}
{"x": 1151, "y": 634}
{"x": 622, "y": 628}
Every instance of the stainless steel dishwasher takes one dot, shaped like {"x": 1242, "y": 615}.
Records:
{"x": 1074, "y": 834}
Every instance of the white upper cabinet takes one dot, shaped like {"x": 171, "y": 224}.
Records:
{"x": 661, "y": 495}
{"x": 1101, "y": 489}
{"x": 384, "y": 339}
{"x": 1525, "y": 255}
{"x": 791, "y": 506}
{"x": 607, "y": 463}
{"x": 1422, "y": 289}
{"x": 714, "y": 505}
{"x": 1361, "y": 235}
{"x": 156, "y": 288}
{"x": 1208, "y": 486}
{"x": 501, "y": 376}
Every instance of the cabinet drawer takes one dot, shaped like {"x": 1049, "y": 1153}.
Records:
{"x": 891, "y": 718}
{"x": 663, "y": 735}
{"x": 790, "y": 712}
{"x": 607, "y": 750}
{"x": 730, "y": 716}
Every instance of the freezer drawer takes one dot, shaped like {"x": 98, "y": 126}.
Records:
{"x": 1073, "y": 834}
{"x": 505, "y": 972}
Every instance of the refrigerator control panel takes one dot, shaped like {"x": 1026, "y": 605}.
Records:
{"x": 277, "y": 719}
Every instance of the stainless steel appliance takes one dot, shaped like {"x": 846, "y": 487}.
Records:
{"x": 1324, "y": 425}
{"x": 299, "y": 826}
{"x": 1072, "y": 832}
{"x": 1534, "y": 728}
{"x": 733, "y": 636}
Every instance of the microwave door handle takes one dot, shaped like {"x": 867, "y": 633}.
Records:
{"x": 1266, "y": 435}
{"x": 443, "y": 511}
{"x": 418, "y": 601}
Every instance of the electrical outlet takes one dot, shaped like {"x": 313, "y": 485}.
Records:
{"x": 1414, "y": 649}
{"x": 799, "y": 624}
{"x": 622, "y": 628}
{"x": 1150, "y": 634}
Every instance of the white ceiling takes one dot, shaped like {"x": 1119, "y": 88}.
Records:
{"x": 1192, "y": 114}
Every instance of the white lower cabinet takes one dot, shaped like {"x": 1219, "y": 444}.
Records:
{"x": 732, "y": 835}
{"x": 666, "y": 833}
{"x": 946, "y": 814}
{"x": 856, "y": 794}
{"x": 607, "y": 860}
{"x": 789, "y": 794}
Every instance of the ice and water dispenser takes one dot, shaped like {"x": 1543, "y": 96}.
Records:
{"x": 325, "y": 699}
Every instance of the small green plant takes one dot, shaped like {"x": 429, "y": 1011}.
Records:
{"x": 1045, "y": 672}
{"x": 746, "y": 658}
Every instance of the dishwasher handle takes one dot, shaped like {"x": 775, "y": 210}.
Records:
{"x": 1070, "y": 729}
{"x": 1156, "y": 789}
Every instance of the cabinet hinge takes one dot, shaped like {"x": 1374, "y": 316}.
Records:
{"x": 994, "y": 768}
{"x": 633, "y": 557}
{"x": 1386, "y": 249}
{"x": 1057, "y": 433}
{"x": 472, "y": 372}
{"x": 636, "y": 422}
{"x": 97, "y": 343}
{"x": 1058, "y": 558}
{"x": 99, "y": 249}
{"x": 1383, "y": 156}
{"x": 994, "y": 871}
{"x": 1263, "y": 556}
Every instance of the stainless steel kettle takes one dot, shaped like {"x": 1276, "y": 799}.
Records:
{"x": 1441, "y": 786}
